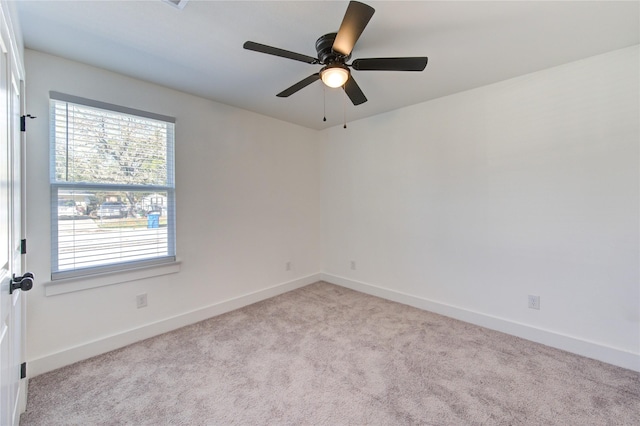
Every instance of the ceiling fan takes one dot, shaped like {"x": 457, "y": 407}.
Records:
{"x": 334, "y": 50}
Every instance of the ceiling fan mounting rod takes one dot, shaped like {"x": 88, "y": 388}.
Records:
{"x": 326, "y": 54}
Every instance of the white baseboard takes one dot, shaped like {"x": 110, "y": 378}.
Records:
{"x": 574, "y": 345}
{"x": 99, "y": 346}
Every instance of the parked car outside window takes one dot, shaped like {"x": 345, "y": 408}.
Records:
{"x": 112, "y": 209}
{"x": 67, "y": 209}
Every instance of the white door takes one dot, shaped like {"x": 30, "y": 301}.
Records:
{"x": 11, "y": 232}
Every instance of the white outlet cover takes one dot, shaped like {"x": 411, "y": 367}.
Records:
{"x": 141, "y": 300}
{"x": 534, "y": 302}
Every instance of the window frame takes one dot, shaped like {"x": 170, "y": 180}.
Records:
{"x": 56, "y": 186}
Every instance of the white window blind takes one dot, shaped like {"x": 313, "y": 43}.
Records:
{"x": 112, "y": 187}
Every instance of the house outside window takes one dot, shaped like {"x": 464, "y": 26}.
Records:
{"x": 112, "y": 187}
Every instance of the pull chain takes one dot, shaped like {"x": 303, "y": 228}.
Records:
{"x": 344, "y": 108}
{"x": 324, "y": 103}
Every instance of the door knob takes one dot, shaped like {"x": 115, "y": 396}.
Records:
{"x": 24, "y": 283}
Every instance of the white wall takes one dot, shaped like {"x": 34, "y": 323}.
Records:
{"x": 469, "y": 203}
{"x": 247, "y": 203}
{"x": 463, "y": 205}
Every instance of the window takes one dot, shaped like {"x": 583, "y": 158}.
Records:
{"x": 112, "y": 187}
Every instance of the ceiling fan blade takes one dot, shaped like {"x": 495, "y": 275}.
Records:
{"x": 269, "y": 50}
{"x": 353, "y": 24}
{"x": 299, "y": 85}
{"x": 354, "y": 92}
{"x": 390, "y": 64}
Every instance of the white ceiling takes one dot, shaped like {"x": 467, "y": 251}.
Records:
{"x": 199, "y": 49}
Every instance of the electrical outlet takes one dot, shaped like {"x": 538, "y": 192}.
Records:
{"x": 287, "y": 266}
{"x": 141, "y": 300}
{"x": 534, "y": 302}
{"x": 353, "y": 265}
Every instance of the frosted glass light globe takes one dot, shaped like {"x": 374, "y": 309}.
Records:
{"x": 335, "y": 76}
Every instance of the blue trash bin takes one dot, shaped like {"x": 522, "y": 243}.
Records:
{"x": 153, "y": 220}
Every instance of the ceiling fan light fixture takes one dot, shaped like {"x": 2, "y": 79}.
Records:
{"x": 335, "y": 75}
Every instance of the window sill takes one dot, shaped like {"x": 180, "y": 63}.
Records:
{"x": 53, "y": 288}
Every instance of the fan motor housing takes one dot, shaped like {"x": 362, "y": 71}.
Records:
{"x": 326, "y": 55}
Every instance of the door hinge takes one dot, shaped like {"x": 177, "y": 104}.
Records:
{"x": 23, "y": 122}
{"x": 23, "y": 370}
{"x": 23, "y": 246}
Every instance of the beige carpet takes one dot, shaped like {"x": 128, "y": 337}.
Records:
{"x": 325, "y": 355}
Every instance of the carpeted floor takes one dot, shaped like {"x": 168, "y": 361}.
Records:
{"x": 325, "y": 355}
